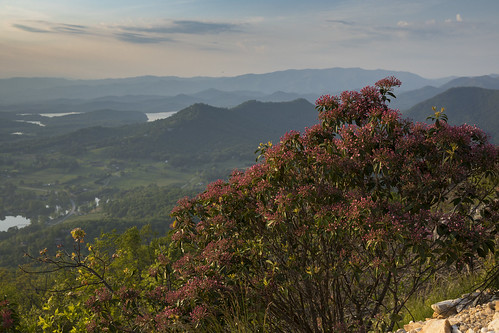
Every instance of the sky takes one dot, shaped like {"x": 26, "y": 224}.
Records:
{"x": 93, "y": 39}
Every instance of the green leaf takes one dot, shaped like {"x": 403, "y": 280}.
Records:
{"x": 491, "y": 245}
{"x": 482, "y": 252}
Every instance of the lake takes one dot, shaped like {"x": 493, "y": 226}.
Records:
{"x": 159, "y": 115}
{"x": 51, "y": 115}
{"x": 13, "y": 221}
{"x": 35, "y": 122}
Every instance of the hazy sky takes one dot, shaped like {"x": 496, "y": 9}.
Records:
{"x": 122, "y": 38}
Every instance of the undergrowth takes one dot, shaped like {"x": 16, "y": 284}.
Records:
{"x": 446, "y": 286}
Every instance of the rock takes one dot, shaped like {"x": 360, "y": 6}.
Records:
{"x": 413, "y": 325}
{"x": 494, "y": 324}
{"x": 437, "y": 326}
{"x": 463, "y": 327}
{"x": 455, "y": 320}
{"x": 464, "y": 303}
{"x": 446, "y": 308}
{"x": 482, "y": 317}
{"x": 438, "y": 316}
{"x": 491, "y": 306}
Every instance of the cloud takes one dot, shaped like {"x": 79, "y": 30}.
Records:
{"x": 163, "y": 31}
{"x": 30, "y": 29}
{"x": 136, "y": 34}
{"x": 343, "y": 22}
{"x": 71, "y": 28}
{"x": 197, "y": 27}
{"x": 429, "y": 29}
{"x": 356, "y": 35}
{"x": 140, "y": 38}
{"x": 50, "y": 27}
{"x": 186, "y": 27}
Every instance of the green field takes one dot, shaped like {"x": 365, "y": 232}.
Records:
{"x": 33, "y": 185}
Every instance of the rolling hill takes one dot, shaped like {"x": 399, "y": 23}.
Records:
{"x": 206, "y": 133}
{"x": 470, "y": 105}
{"x": 16, "y": 127}
{"x": 408, "y": 99}
{"x": 197, "y": 134}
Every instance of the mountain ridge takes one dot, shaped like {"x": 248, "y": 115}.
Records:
{"x": 199, "y": 132}
{"x": 471, "y": 105}
{"x": 408, "y": 99}
{"x": 302, "y": 81}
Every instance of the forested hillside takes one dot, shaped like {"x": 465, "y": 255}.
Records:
{"x": 464, "y": 105}
{"x": 197, "y": 134}
{"x": 408, "y": 99}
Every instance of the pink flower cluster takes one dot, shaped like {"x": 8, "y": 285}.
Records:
{"x": 6, "y": 315}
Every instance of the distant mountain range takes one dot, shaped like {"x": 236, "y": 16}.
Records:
{"x": 307, "y": 81}
{"x": 151, "y": 103}
{"x": 209, "y": 102}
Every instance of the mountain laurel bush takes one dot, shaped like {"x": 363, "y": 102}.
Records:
{"x": 338, "y": 226}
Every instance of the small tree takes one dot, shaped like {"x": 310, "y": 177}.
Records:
{"x": 90, "y": 267}
{"x": 96, "y": 286}
{"x": 336, "y": 228}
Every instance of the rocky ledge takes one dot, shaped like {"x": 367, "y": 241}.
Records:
{"x": 476, "y": 312}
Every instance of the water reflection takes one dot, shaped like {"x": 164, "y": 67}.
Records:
{"x": 52, "y": 115}
{"x": 159, "y": 115}
{"x": 13, "y": 221}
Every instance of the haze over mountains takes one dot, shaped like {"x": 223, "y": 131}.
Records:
{"x": 22, "y": 100}
{"x": 407, "y": 99}
{"x": 308, "y": 81}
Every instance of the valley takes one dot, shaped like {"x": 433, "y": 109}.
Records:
{"x": 91, "y": 183}
{"x": 69, "y": 156}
